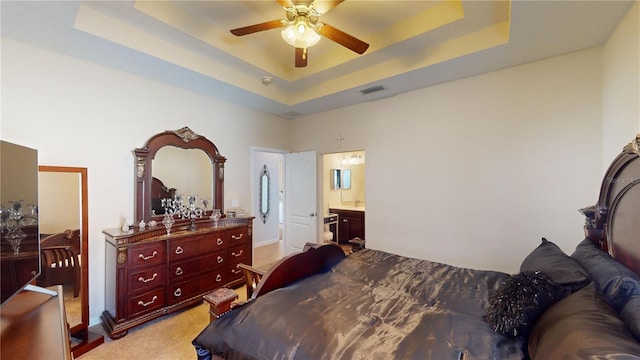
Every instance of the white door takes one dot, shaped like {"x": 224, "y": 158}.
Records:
{"x": 300, "y": 201}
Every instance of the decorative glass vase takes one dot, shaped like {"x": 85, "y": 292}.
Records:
{"x": 15, "y": 237}
{"x": 168, "y": 221}
{"x": 215, "y": 216}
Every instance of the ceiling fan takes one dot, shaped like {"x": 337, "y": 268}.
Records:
{"x": 303, "y": 30}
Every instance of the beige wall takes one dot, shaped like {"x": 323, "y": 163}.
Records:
{"x": 621, "y": 85}
{"x": 474, "y": 172}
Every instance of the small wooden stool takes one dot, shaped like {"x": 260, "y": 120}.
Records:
{"x": 220, "y": 302}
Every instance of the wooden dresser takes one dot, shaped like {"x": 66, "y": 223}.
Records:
{"x": 150, "y": 274}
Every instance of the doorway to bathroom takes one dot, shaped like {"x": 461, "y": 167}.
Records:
{"x": 344, "y": 196}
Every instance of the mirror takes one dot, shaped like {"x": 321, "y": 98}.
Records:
{"x": 340, "y": 179}
{"x": 264, "y": 194}
{"x": 63, "y": 217}
{"x": 182, "y": 171}
{"x": 177, "y": 162}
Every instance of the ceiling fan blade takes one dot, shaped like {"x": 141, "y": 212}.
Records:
{"x": 343, "y": 38}
{"x": 284, "y": 3}
{"x": 301, "y": 57}
{"x": 273, "y": 24}
{"x": 324, "y": 6}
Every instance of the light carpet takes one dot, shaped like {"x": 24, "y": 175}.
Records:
{"x": 168, "y": 337}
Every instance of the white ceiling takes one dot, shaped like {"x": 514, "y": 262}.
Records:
{"x": 413, "y": 44}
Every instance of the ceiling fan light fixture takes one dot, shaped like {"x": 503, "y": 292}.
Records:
{"x": 300, "y": 34}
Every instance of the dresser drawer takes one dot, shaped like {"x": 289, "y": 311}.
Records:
{"x": 179, "y": 271}
{"x": 147, "y": 278}
{"x": 237, "y": 236}
{"x": 197, "y": 245}
{"x": 147, "y": 254}
{"x": 237, "y": 255}
{"x": 146, "y": 302}
{"x": 196, "y": 286}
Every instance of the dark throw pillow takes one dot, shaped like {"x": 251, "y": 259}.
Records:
{"x": 519, "y": 301}
{"x": 614, "y": 280}
{"x": 563, "y": 270}
{"x": 582, "y": 326}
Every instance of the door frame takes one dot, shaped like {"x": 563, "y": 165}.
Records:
{"x": 254, "y": 184}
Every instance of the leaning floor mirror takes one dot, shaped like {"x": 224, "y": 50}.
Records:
{"x": 64, "y": 246}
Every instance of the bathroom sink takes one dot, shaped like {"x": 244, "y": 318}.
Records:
{"x": 347, "y": 207}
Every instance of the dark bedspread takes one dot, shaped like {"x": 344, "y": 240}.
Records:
{"x": 372, "y": 305}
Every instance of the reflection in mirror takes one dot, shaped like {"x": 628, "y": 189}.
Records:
{"x": 354, "y": 191}
{"x": 340, "y": 179}
{"x": 19, "y": 254}
{"x": 346, "y": 179}
{"x": 63, "y": 213}
{"x": 184, "y": 172}
{"x": 264, "y": 194}
{"x": 60, "y": 211}
{"x": 335, "y": 179}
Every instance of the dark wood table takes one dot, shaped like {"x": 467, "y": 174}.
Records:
{"x": 34, "y": 326}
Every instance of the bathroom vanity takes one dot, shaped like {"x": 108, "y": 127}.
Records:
{"x": 350, "y": 223}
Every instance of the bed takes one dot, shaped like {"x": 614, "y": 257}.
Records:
{"x": 321, "y": 304}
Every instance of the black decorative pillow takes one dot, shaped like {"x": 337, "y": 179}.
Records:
{"x": 519, "y": 301}
{"x": 563, "y": 270}
{"x": 581, "y": 326}
{"x": 614, "y": 280}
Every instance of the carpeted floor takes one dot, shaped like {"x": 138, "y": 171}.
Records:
{"x": 168, "y": 337}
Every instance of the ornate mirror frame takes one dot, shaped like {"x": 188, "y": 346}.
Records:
{"x": 265, "y": 205}
{"x": 183, "y": 138}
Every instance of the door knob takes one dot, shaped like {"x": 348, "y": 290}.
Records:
{"x": 312, "y": 214}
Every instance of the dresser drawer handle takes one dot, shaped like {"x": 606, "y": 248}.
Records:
{"x": 218, "y": 278}
{"x": 178, "y": 292}
{"x": 237, "y": 237}
{"x": 145, "y": 304}
{"x": 141, "y": 279}
{"x": 179, "y": 250}
{"x": 236, "y": 271}
{"x": 179, "y": 271}
{"x": 220, "y": 259}
{"x": 219, "y": 241}
{"x": 145, "y": 258}
{"x": 238, "y": 254}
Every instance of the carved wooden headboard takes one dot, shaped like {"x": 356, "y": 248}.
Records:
{"x": 614, "y": 222}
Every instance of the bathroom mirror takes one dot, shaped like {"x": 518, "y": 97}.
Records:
{"x": 62, "y": 206}
{"x": 189, "y": 163}
{"x": 340, "y": 179}
{"x": 264, "y": 194}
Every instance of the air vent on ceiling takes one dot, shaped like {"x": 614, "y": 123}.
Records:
{"x": 372, "y": 89}
{"x": 291, "y": 114}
